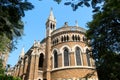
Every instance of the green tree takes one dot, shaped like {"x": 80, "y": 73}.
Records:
{"x": 104, "y": 33}
{"x": 1, "y": 67}
{"x": 75, "y": 4}
{"x": 11, "y": 25}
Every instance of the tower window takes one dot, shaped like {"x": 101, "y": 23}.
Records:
{"x": 51, "y": 26}
{"x": 66, "y": 57}
{"x": 78, "y": 56}
{"x": 41, "y": 59}
{"x": 55, "y": 59}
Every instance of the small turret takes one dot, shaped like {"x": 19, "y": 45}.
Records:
{"x": 50, "y": 24}
{"x": 22, "y": 53}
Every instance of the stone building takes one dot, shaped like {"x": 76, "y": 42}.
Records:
{"x": 62, "y": 55}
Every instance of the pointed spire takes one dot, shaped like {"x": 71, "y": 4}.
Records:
{"x": 22, "y": 52}
{"x": 76, "y": 23}
{"x": 51, "y": 16}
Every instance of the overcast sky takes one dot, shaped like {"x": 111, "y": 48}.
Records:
{"x": 34, "y": 23}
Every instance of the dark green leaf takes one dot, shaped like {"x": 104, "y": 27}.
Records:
{"x": 87, "y": 4}
{"x": 67, "y": 3}
{"x": 80, "y": 3}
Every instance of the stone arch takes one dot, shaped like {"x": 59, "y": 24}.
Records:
{"x": 81, "y": 58}
{"x": 61, "y": 49}
{"x": 73, "y": 37}
{"x": 78, "y": 38}
{"x": 55, "y": 59}
{"x": 73, "y": 48}
{"x": 66, "y": 56}
{"x": 41, "y": 60}
{"x": 78, "y": 56}
{"x": 62, "y": 39}
{"x": 52, "y": 55}
{"x": 86, "y": 49}
{"x": 39, "y": 78}
{"x": 54, "y": 50}
{"x": 51, "y": 26}
{"x": 67, "y": 38}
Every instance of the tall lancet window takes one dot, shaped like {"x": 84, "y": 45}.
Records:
{"x": 88, "y": 57}
{"x": 41, "y": 59}
{"x": 55, "y": 59}
{"x": 66, "y": 57}
{"x": 78, "y": 56}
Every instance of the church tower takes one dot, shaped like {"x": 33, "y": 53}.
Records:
{"x": 50, "y": 27}
{"x": 50, "y": 24}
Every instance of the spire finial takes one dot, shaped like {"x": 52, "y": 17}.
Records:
{"x": 76, "y": 23}
{"x": 22, "y": 52}
{"x": 51, "y": 8}
{"x": 51, "y": 16}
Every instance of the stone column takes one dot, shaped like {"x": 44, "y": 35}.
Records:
{"x": 21, "y": 69}
{"x": 17, "y": 72}
{"x": 48, "y": 60}
{"x": 36, "y": 66}
{"x": 31, "y": 67}
{"x": 19, "y": 66}
{"x": 84, "y": 59}
{"x": 72, "y": 59}
{"x": 25, "y": 68}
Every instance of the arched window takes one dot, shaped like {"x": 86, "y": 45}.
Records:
{"x": 78, "y": 38}
{"x": 62, "y": 39}
{"x": 57, "y": 40}
{"x": 67, "y": 38}
{"x": 55, "y": 59}
{"x": 88, "y": 57}
{"x": 51, "y": 26}
{"x": 41, "y": 59}
{"x": 66, "y": 57}
{"x": 78, "y": 56}
{"x": 73, "y": 38}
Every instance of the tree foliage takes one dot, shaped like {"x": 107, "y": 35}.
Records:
{"x": 104, "y": 33}
{"x": 11, "y": 25}
{"x": 3, "y": 76}
{"x": 75, "y": 4}
{"x": 1, "y": 67}
{"x": 8, "y": 77}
